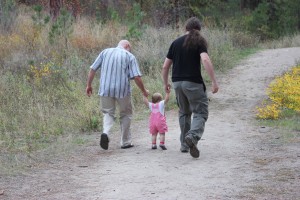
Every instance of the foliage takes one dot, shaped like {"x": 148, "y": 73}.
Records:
{"x": 284, "y": 93}
{"x": 273, "y": 19}
{"x": 38, "y": 18}
{"x": 134, "y": 20}
{"x": 41, "y": 105}
{"x": 268, "y": 111}
{"x": 285, "y": 90}
{"x": 38, "y": 74}
{"x": 114, "y": 15}
{"x": 62, "y": 27}
{"x": 268, "y": 19}
{"x": 211, "y": 12}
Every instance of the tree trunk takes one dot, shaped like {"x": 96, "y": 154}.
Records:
{"x": 298, "y": 19}
{"x": 176, "y": 12}
{"x": 55, "y": 6}
{"x": 251, "y": 4}
{"x": 243, "y": 4}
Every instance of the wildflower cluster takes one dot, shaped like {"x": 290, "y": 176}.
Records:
{"x": 268, "y": 111}
{"x": 284, "y": 93}
{"x": 45, "y": 70}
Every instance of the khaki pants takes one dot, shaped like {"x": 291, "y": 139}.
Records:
{"x": 108, "y": 105}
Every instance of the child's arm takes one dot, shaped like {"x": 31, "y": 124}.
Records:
{"x": 167, "y": 97}
{"x": 145, "y": 99}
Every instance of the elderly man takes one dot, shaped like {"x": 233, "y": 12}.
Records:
{"x": 118, "y": 66}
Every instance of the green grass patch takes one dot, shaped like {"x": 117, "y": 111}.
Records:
{"x": 290, "y": 120}
{"x": 288, "y": 125}
{"x": 244, "y": 53}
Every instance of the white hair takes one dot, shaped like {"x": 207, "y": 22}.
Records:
{"x": 123, "y": 43}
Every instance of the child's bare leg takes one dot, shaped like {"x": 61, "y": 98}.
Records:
{"x": 162, "y": 141}
{"x": 154, "y": 136}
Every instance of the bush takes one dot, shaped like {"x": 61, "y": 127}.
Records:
{"x": 41, "y": 105}
{"x": 284, "y": 93}
{"x": 273, "y": 19}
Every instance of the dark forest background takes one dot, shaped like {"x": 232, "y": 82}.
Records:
{"x": 266, "y": 18}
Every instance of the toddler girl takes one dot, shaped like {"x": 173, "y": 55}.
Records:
{"x": 157, "y": 121}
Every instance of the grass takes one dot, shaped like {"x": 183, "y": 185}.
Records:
{"x": 282, "y": 107}
{"x": 244, "y": 53}
{"x": 287, "y": 41}
{"x": 288, "y": 125}
{"x": 59, "y": 149}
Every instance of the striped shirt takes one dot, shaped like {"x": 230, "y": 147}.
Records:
{"x": 117, "y": 66}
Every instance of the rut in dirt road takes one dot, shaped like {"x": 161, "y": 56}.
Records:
{"x": 237, "y": 160}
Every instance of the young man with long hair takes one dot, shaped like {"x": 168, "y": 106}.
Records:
{"x": 185, "y": 56}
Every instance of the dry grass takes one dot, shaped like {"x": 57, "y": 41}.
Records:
{"x": 94, "y": 37}
{"x": 287, "y": 41}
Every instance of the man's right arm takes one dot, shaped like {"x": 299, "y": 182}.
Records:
{"x": 165, "y": 74}
{"x": 89, "y": 89}
{"x": 138, "y": 81}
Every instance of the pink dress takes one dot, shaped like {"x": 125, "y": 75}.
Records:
{"x": 157, "y": 121}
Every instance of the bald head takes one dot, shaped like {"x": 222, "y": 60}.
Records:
{"x": 125, "y": 44}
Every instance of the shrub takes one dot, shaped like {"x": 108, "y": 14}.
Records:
{"x": 273, "y": 19}
{"x": 285, "y": 90}
{"x": 268, "y": 111}
{"x": 284, "y": 93}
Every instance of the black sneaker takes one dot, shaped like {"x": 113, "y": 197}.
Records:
{"x": 193, "y": 147}
{"x": 104, "y": 141}
{"x": 163, "y": 147}
{"x": 184, "y": 150}
{"x": 154, "y": 146}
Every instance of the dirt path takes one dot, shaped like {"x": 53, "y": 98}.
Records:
{"x": 239, "y": 159}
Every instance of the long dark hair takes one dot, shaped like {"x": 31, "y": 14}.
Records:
{"x": 194, "y": 38}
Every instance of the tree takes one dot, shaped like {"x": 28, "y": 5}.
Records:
{"x": 249, "y": 4}
{"x": 55, "y": 6}
{"x": 273, "y": 18}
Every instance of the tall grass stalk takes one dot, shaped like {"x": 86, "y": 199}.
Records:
{"x": 284, "y": 42}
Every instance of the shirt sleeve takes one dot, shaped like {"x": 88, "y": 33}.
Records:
{"x": 170, "y": 52}
{"x": 162, "y": 107}
{"x": 202, "y": 49}
{"x": 150, "y": 106}
{"x": 98, "y": 62}
{"x": 134, "y": 69}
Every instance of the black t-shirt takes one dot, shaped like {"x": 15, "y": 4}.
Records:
{"x": 186, "y": 62}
